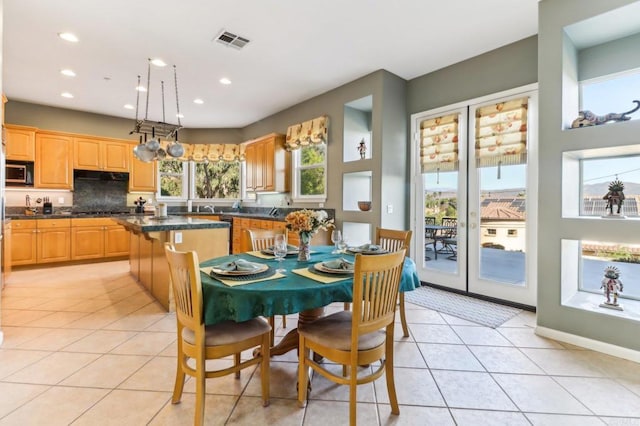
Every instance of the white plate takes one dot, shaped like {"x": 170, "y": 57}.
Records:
{"x": 320, "y": 267}
{"x": 363, "y": 251}
{"x": 237, "y": 273}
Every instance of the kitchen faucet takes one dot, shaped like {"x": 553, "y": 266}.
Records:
{"x": 209, "y": 207}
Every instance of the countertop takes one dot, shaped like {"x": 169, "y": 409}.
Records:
{"x": 170, "y": 223}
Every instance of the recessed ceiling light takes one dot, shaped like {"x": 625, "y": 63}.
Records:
{"x": 68, "y": 73}
{"x": 198, "y": 101}
{"x": 225, "y": 80}
{"x": 158, "y": 62}
{"x": 180, "y": 115}
{"x": 66, "y": 95}
{"x": 68, "y": 37}
{"x": 141, "y": 89}
{"x": 128, "y": 106}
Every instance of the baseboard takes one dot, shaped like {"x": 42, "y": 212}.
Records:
{"x": 607, "y": 348}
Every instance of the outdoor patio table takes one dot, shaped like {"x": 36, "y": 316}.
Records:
{"x": 292, "y": 294}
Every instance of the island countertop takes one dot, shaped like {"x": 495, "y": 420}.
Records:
{"x": 169, "y": 223}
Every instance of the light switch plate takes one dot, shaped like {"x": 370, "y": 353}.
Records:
{"x": 177, "y": 237}
{"x": 60, "y": 200}
{"x": 389, "y": 208}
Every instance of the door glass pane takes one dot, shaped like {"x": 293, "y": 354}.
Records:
{"x": 440, "y": 210}
{"x": 502, "y": 223}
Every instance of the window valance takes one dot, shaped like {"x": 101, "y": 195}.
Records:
{"x": 501, "y": 133}
{"x": 439, "y": 144}
{"x": 209, "y": 152}
{"x": 310, "y": 132}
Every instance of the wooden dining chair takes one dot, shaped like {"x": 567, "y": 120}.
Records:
{"x": 260, "y": 239}
{"x": 200, "y": 343}
{"x": 358, "y": 337}
{"x": 394, "y": 240}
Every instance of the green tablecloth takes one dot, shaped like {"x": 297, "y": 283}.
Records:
{"x": 288, "y": 295}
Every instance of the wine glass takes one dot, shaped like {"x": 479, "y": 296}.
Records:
{"x": 336, "y": 238}
{"x": 280, "y": 251}
{"x": 343, "y": 244}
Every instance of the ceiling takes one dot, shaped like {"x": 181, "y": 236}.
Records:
{"x": 297, "y": 50}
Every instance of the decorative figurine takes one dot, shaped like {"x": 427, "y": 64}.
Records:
{"x": 587, "y": 118}
{"x": 362, "y": 149}
{"x": 612, "y": 286}
{"x": 615, "y": 196}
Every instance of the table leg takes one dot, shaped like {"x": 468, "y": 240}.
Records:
{"x": 291, "y": 340}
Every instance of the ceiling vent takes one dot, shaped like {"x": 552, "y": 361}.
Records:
{"x": 232, "y": 40}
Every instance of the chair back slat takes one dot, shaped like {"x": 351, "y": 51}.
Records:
{"x": 375, "y": 291}
{"x": 393, "y": 240}
{"x": 187, "y": 288}
{"x": 261, "y": 239}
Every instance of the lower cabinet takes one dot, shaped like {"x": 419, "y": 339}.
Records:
{"x": 23, "y": 242}
{"x": 95, "y": 238}
{"x": 36, "y": 241}
{"x": 40, "y": 241}
{"x": 240, "y": 243}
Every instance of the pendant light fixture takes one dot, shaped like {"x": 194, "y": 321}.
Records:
{"x": 150, "y": 149}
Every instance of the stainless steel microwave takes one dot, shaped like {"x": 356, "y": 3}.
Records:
{"x": 19, "y": 174}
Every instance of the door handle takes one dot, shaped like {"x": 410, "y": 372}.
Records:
{"x": 473, "y": 226}
{"x": 461, "y": 224}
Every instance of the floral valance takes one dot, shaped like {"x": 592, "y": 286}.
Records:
{"x": 439, "y": 144}
{"x": 501, "y": 133}
{"x": 209, "y": 152}
{"x": 310, "y": 132}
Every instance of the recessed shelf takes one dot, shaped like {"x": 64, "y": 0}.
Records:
{"x": 357, "y": 129}
{"x": 356, "y": 187}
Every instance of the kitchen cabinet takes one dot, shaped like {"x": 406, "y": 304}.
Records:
{"x": 20, "y": 143}
{"x": 241, "y": 244}
{"x": 53, "y": 161}
{"x": 268, "y": 164}
{"x": 100, "y": 154}
{"x": 6, "y": 250}
{"x": 142, "y": 176}
{"x": 23, "y": 242}
{"x": 96, "y": 238}
{"x": 53, "y": 240}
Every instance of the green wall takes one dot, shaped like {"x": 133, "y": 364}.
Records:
{"x": 558, "y": 98}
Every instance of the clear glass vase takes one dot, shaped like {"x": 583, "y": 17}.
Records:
{"x": 304, "y": 254}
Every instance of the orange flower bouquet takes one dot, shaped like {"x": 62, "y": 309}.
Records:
{"x": 306, "y": 223}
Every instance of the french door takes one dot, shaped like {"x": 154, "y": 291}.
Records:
{"x": 474, "y": 210}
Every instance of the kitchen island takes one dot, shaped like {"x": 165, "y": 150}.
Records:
{"x": 209, "y": 238}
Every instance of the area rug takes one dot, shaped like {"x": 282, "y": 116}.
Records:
{"x": 468, "y": 308}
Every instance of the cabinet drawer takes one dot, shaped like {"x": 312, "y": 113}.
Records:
{"x": 23, "y": 224}
{"x": 54, "y": 223}
{"x": 92, "y": 221}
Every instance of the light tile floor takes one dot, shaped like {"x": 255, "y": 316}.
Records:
{"x": 87, "y": 345}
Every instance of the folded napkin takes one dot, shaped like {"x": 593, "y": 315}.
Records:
{"x": 289, "y": 248}
{"x": 369, "y": 247}
{"x": 338, "y": 264}
{"x": 238, "y": 265}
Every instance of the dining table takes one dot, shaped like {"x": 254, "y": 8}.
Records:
{"x": 300, "y": 289}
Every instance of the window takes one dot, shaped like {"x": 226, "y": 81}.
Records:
{"x": 599, "y": 173}
{"x": 598, "y": 255}
{"x": 610, "y": 93}
{"x": 491, "y": 231}
{"x": 512, "y": 232}
{"x": 310, "y": 173}
{"x": 180, "y": 180}
{"x": 217, "y": 180}
{"x": 173, "y": 179}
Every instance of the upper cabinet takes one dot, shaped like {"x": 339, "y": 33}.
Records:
{"x": 53, "y": 161}
{"x": 268, "y": 165}
{"x": 98, "y": 154}
{"x": 21, "y": 142}
{"x": 142, "y": 177}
